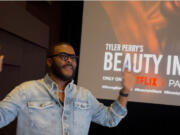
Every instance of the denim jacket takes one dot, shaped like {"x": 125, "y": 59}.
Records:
{"x": 39, "y": 112}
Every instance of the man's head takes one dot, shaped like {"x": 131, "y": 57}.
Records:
{"x": 62, "y": 61}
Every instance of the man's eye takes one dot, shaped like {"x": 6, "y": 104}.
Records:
{"x": 64, "y": 56}
{"x": 73, "y": 57}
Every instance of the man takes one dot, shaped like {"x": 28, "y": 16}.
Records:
{"x": 54, "y": 105}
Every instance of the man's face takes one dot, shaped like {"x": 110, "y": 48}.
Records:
{"x": 61, "y": 68}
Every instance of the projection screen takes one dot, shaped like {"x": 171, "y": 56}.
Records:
{"x": 142, "y": 37}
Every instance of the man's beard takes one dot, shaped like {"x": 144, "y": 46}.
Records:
{"x": 57, "y": 71}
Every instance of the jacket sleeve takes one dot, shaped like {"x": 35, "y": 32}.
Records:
{"x": 107, "y": 116}
{"x": 10, "y": 106}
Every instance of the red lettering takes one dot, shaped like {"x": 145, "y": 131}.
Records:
{"x": 147, "y": 81}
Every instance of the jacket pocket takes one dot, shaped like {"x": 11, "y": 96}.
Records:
{"x": 81, "y": 114}
{"x": 81, "y": 105}
{"x": 40, "y": 104}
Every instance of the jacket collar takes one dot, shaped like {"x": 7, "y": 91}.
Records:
{"x": 53, "y": 86}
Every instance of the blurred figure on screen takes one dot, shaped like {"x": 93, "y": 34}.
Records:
{"x": 150, "y": 23}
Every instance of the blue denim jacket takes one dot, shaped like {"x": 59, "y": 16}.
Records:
{"x": 39, "y": 112}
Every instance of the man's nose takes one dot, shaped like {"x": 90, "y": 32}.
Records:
{"x": 69, "y": 60}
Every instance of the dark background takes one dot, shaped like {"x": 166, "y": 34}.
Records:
{"x": 65, "y": 21}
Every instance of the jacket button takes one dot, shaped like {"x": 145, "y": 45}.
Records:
{"x": 65, "y": 118}
{"x": 32, "y": 125}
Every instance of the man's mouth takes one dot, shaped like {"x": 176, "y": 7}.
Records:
{"x": 68, "y": 67}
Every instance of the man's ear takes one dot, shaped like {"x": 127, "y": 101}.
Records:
{"x": 49, "y": 62}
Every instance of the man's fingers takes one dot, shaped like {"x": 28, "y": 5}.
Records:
{"x": 129, "y": 79}
{"x": 1, "y": 62}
